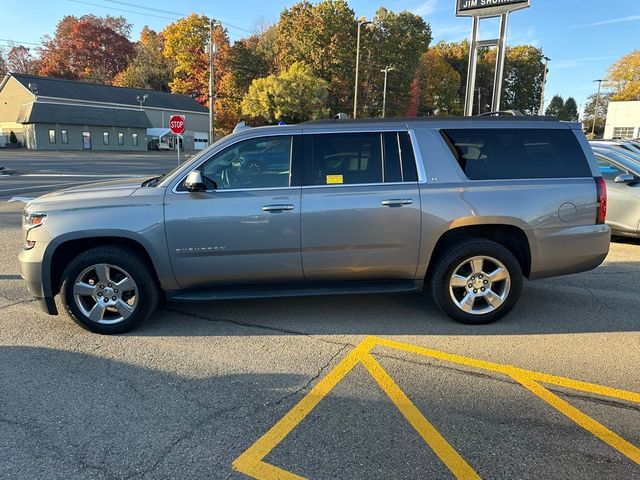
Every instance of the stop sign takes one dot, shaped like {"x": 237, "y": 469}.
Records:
{"x": 177, "y": 124}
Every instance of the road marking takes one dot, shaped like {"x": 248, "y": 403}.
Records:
{"x": 252, "y": 463}
{"x": 38, "y": 187}
{"x": 78, "y": 175}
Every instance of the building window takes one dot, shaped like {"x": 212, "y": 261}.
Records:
{"x": 623, "y": 132}
{"x": 52, "y": 136}
{"x": 64, "y": 137}
{"x": 120, "y": 138}
{"x": 105, "y": 138}
{"x": 134, "y": 139}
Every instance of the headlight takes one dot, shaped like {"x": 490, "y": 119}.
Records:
{"x": 33, "y": 219}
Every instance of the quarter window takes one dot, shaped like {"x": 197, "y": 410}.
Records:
{"x": 52, "y": 136}
{"x": 257, "y": 163}
{"x": 514, "y": 153}
{"x": 105, "y": 138}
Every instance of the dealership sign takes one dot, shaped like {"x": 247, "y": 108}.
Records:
{"x": 488, "y": 8}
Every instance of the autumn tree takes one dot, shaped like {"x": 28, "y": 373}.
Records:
{"x": 4, "y": 69}
{"x": 185, "y": 41}
{"x": 149, "y": 68}
{"x": 555, "y": 107}
{"x": 438, "y": 85}
{"x": 21, "y": 60}
{"x": 295, "y": 95}
{"x": 624, "y": 77}
{"x": 87, "y": 48}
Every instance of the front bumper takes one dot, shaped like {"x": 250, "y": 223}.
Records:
{"x": 31, "y": 270}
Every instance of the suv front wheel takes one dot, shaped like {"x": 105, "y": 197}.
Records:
{"x": 476, "y": 281}
{"x": 109, "y": 290}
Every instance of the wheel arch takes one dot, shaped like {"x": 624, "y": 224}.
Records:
{"x": 60, "y": 253}
{"x": 511, "y": 237}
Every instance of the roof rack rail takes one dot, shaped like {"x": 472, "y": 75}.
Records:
{"x": 502, "y": 113}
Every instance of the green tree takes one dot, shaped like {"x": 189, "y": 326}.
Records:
{"x": 294, "y": 96}
{"x": 556, "y": 107}
{"x": 624, "y": 77}
{"x": 398, "y": 40}
{"x": 523, "y": 72}
{"x": 570, "y": 111}
{"x": 323, "y": 36}
{"x": 438, "y": 85}
{"x": 149, "y": 68}
{"x": 600, "y": 113}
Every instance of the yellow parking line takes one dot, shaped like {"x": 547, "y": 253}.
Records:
{"x": 251, "y": 462}
{"x": 585, "y": 421}
{"x": 452, "y": 459}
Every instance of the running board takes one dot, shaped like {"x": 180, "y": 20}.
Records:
{"x": 295, "y": 290}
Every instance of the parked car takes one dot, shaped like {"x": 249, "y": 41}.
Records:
{"x": 466, "y": 208}
{"x": 621, "y": 173}
{"x": 627, "y": 145}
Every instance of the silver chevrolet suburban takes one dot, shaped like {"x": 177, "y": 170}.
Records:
{"x": 464, "y": 207}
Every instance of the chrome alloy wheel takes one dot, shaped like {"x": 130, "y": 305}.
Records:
{"x": 479, "y": 285}
{"x": 105, "y": 293}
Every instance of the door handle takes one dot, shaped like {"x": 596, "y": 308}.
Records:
{"x": 277, "y": 208}
{"x": 396, "y": 202}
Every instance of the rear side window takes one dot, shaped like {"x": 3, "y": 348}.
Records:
{"x": 495, "y": 154}
{"x": 358, "y": 158}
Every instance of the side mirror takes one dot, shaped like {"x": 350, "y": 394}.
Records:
{"x": 625, "y": 178}
{"x": 194, "y": 182}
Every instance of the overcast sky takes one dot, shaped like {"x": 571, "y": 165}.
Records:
{"x": 582, "y": 37}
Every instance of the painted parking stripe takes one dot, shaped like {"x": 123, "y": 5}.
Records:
{"x": 252, "y": 463}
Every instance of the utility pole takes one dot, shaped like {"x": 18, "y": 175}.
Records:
{"x": 386, "y": 71}
{"x": 211, "y": 49}
{"x": 355, "y": 92}
{"x": 544, "y": 84}
{"x": 595, "y": 110}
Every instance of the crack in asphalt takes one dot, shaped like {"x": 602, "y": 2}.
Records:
{"x": 16, "y": 303}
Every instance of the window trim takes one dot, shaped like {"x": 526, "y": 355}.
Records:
{"x": 292, "y": 160}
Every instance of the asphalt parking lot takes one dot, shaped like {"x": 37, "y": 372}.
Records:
{"x": 353, "y": 387}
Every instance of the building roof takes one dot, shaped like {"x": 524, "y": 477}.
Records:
{"x": 38, "y": 112}
{"x": 94, "y": 92}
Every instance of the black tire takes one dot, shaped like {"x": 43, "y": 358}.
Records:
{"x": 453, "y": 259}
{"x": 147, "y": 289}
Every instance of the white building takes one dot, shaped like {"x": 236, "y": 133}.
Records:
{"x": 623, "y": 120}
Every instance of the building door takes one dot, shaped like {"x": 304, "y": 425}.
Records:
{"x": 86, "y": 140}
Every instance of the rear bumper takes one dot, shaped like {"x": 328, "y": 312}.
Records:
{"x": 31, "y": 270}
{"x": 569, "y": 250}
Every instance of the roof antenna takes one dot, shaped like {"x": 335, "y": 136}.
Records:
{"x": 241, "y": 126}
{"x": 341, "y": 116}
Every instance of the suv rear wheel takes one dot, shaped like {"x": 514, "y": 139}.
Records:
{"x": 109, "y": 290}
{"x": 476, "y": 281}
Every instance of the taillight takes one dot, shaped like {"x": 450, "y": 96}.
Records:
{"x": 601, "y": 192}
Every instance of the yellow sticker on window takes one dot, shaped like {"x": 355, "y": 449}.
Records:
{"x": 334, "y": 179}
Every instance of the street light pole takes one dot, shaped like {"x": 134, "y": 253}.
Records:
{"x": 595, "y": 110}
{"x": 211, "y": 50}
{"x": 355, "y": 93}
{"x": 386, "y": 71}
{"x": 544, "y": 84}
